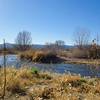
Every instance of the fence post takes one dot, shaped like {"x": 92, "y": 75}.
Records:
{"x": 4, "y": 53}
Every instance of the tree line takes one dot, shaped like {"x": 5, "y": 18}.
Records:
{"x": 23, "y": 42}
{"x": 84, "y": 45}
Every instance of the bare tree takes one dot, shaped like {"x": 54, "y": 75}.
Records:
{"x": 23, "y": 40}
{"x": 82, "y": 37}
{"x": 55, "y": 47}
{"x": 49, "y": 47}
{"x": 60, "y": 43}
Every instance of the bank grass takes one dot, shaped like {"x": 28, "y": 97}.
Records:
{"x": 30, "y": 85}
{"x": 40, "y": 56}
{"x": 27, "y": 55}
{"x": 95, "y": 62}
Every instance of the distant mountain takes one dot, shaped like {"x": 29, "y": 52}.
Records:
{"x": 36, "y": 46}
{"x": 8, "y": 45}
{"x": 42, "y": 46}
{"x": 69, "y": 46}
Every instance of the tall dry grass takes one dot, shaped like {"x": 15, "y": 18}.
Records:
{"x": 23, "y": 84}
{"x": 40, "y": 56}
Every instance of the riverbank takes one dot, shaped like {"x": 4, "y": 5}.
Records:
{"x": 49, "y": 57}
{"x": 30, "y": 84}
{"x": 80, "y": 61}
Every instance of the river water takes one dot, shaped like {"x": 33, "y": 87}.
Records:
{"x": 82, "y": 69}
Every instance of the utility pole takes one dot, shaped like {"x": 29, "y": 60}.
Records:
{"x": 4, "y": 87}
{"x": 97, "y": 45}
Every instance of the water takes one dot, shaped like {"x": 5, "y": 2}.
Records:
{"x": 82, "y": 69}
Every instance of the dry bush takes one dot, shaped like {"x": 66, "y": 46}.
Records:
{"x": 37, "y": 56}
{"x": 80, "y": 53}
{"x": 49, "y": 86}
{"x": 63, "y": 53}
{"x": 17, "y": 80}
{"x": 16, "y": 86}
{"x": 45, "y": 76}
{"x": 25, "y": 73}
{"x": 40, "y": 56}
{"x": 27, "y": 55}
{"x": 46, "y": 57}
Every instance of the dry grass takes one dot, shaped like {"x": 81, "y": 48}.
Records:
{"x": 40, "y": 56}
{"x": 22, "y": 84}
{"x": 27, "y": 55}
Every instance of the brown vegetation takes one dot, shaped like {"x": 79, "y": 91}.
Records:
{"x": 22, "y": 84}
{"x": 80, "y": 53}
{"x": 40, "y": 56}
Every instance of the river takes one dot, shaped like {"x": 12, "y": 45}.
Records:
{"x": 82, "y": 69}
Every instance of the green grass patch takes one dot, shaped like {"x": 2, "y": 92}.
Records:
{"x": 34, "y": 70}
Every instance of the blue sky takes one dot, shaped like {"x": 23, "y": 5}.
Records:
{"x": 48, "y": 20}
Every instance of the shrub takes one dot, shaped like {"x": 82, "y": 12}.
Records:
{"x": 34, "y": 70}
{"x": 40, "y": 56}
{"x": 27, "y": 55}
{"x": 15, "y": 86}
{"x": 77, "y": 83}
{"x": 47, "y": 93}
{"x": 24, "y": 73}
{"x": 45, "y": 76}
{"x": 45, "y": 57}
{"x": 80, "y": 53}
